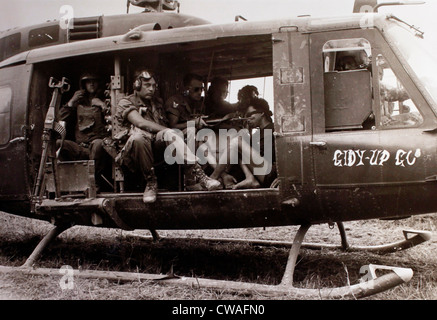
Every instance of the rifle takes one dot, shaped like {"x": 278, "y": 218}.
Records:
{"x": 51, "y": 127}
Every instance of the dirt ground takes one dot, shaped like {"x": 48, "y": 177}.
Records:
{"x": 87, "y": 248}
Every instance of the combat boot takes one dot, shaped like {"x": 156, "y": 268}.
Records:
{"x": 205, "y": 181}
{"x": 149, "y": 195}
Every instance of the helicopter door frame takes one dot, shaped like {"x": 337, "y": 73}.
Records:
{"x": 292, "y": 99}
{"x": 13, "y": 152}
{"x": 376, "y": 170}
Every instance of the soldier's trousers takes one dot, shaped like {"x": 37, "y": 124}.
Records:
{"x": 142, "y": 150}
{"x": 94, "y": 151}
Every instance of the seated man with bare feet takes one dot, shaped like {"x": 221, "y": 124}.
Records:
{"x": 258, "y": 155}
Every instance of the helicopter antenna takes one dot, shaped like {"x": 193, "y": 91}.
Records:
{"x": 396, "y": 3}
{"x": 364, "y": 5}
{"x": 419, "y": 33}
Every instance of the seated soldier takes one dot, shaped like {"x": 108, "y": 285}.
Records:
{"x": 143, "y": 113}
{"x": 347, "y": 63}
{"x": 182, "y": 108}
{"x": 215, "y": 103}
{"x": 245, "y": 95}
{"x": 185, "y": 107}
{"x": 86, "y": 109}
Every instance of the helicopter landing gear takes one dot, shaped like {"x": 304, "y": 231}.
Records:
{"x": 412, "y": 239}
{"x": 372, "y": 285}
{"x": 49, "y": 237}
{"x": 419, "y": 236}
{"x": 287, "y": 279}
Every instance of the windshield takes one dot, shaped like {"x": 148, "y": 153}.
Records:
{"x": 415, "y": 52}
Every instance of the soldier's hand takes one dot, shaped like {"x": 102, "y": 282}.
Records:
{"x": 200, "y": 123}
{"x": 76, "y": 97}
{"x": 99, "y": 103}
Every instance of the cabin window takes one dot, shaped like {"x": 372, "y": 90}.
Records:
{"x": 397, "y": 109}
{"x": 42, "y": 36}
{"x": 263, "y": 84}
{"x": 5, "y": 114}
{"x": 10, "y": 45}
{"x": 347, "y": 84}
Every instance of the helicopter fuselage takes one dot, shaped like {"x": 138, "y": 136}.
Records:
{"x": 345, "y": 149}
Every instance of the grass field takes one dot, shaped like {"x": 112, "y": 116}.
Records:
{"x": 109, "y": 249}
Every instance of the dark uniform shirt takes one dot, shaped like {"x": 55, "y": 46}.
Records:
{"x": 90, "y": 123}
{"x": 184, "y": 108}
{"x": 218, "y": 108}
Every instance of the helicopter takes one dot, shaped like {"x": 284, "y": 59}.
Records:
{"x": 346, "y": 148}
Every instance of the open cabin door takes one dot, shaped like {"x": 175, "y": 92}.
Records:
{"x": 371, "y": 158}
{"x": 292, "y": 113}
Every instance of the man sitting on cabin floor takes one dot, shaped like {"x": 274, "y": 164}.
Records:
{"x": 86, "y": 109}
{"x": 259, "y": 154}
{"x": 143, "y": 113}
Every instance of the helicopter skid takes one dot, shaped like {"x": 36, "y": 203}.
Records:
{"x": 419, "y": 237}
{"x": 372, "y": 285}
{"x": 396, "y": 277}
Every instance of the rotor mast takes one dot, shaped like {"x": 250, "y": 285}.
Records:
{"x": 155, "y": 5}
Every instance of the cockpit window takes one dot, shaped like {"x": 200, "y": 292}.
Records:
{"x": 346, "y": 54}
{"x": 42, "y": 36}
{"x": 10, "y": 45}
{"x": 349, "y": 67}
{"x": 417, "y": 56}
{"x": 397, "y": 109}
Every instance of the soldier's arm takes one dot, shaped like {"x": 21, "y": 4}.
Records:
{"x": 173, "y": 122}
{"x": 138, "y": 121}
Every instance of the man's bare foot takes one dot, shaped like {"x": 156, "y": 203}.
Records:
{"x": 248, "y": 183}
{"x": 228, "y": 181}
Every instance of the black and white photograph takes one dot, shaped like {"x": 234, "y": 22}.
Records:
{"x": 218, "y": 158}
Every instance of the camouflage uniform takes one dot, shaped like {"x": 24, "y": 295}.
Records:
{"x": 142, "y": 146}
